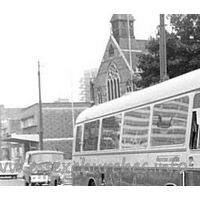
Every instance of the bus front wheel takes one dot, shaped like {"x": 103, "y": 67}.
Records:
{"x": 91, "y": 183}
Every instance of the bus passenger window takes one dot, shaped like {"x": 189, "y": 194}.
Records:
{"x": 135, "y": 129}
{"x": 196, "y": 102}
{"x": 110, "y": 133}
{"x": 169, "y": 122}
{"x": 194, "y": 132}
{"x": 90, "y": 139}
{"x": 78, "y": 138}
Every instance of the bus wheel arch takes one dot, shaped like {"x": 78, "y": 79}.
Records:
{"x": 92, "y": 182}
{"x": 170, "y": 184}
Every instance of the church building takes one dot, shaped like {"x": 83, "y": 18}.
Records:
{"x": 118, "y": 68}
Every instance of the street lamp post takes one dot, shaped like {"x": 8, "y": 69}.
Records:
{"x": 40, "y": 111}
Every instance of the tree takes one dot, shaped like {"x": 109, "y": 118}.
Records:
{"x": 183, "y": 50}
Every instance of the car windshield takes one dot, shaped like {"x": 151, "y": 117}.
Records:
{"x": 46, "y": 157}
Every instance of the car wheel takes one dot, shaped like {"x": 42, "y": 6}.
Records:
{"x": 26, "y": 183}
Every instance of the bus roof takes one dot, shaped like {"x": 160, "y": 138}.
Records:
{"x": 175, "y": 86}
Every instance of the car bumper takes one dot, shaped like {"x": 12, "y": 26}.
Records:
{"x": 8, "y": 174}
{"x": 39, "y": 179}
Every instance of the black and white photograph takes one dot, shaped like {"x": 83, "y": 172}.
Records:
{"x": 93, "y": 98}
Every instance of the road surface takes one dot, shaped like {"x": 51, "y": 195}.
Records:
{"x": 7, "y": 181}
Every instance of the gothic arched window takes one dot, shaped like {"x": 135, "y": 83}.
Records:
{"x": 128, "y": 86}
{"x": 113, "y": 83}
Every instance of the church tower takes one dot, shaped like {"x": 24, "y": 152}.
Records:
{"x": 123, "y": 29}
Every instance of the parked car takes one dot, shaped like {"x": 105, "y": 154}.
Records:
{"x": 7, "y": 168}
{"x": 66, "y": 177}
{"x": 43, "y": 167}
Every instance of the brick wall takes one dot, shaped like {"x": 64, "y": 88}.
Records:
{"x": 57, "y": 124}
{"x": 64, "y": 146}
{"x": 58, "y": 129}
{"x": 15, "y": 126}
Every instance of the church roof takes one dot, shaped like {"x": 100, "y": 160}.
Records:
{"x": 141, "y": 45}
{"x": 121, "y": 17}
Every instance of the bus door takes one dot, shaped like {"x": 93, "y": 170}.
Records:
{"x": 193, "y": 160}
{"x": 194, "y": 143}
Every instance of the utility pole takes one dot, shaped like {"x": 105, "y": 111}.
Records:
{"x": 130, "y": 55}
{"x": 72, "y": 104}
{"x": 129, "y": 42}
{"x": 162, "y": 48}
{"x": 40, "y": 111}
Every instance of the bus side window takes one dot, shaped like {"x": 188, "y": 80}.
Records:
{"x": 78, "y": 138}
{"x": 29, "y": 159}
{"x": 110, "y": 132}
{"x": 90, "y": 138}
{"x": 194, "y": 131}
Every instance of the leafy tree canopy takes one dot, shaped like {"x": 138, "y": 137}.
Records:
{"x": 183, "y": 50}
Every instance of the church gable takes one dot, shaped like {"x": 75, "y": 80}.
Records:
{"x": 111, "y": 51}
{"x": 113, "y": 61}
{"x": 119, "y": 62}
{"x": 112, "y": 54}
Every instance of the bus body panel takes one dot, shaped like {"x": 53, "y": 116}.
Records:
{"x": 175, "y": 164}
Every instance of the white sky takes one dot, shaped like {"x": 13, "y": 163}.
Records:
{"x": 67, "y": 38}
